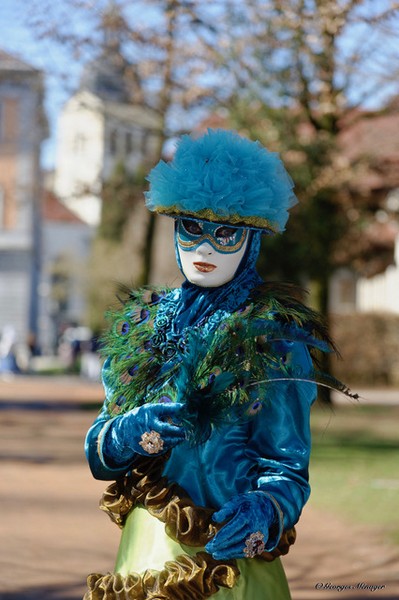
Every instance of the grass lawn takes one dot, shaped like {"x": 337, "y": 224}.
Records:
{"x": 354, "y": 469}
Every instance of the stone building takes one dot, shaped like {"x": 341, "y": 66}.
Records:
{"x": 23, "y": 127}
{"x": 99, "y": 127}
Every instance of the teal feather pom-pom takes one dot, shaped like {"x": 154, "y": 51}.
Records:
{"x": 223, "y": 177}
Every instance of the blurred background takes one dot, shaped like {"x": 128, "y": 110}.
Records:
{"x": 92, "y": 95}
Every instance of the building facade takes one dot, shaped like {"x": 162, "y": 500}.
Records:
{"x": 98, "y": 128}
{"x": 63, "y": 283}
{"x": 23, "y": 127}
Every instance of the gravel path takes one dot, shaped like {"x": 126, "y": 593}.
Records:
{"x": 53, "y": 535}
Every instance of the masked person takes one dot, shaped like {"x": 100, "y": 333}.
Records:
{"x": 205, "y": 426}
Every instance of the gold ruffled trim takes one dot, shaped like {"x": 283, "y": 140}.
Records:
{"x": 208, "y": 215}
{"x": 185, "y": 577}
{"x": 185, "y": 522}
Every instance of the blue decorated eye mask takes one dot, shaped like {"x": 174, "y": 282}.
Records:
{"x": 191, "y": 233}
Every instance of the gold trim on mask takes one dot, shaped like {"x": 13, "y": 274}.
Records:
{"x": 213, "y": 242}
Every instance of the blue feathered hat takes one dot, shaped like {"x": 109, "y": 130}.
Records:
{"x": 224, "y": 178}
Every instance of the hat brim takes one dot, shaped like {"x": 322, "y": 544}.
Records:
{"x": 206, "y": 214}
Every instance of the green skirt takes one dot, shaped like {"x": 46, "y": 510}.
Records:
{"x": 145, "y": 547}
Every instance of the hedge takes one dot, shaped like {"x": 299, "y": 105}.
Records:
{"x": 369, "y": 347}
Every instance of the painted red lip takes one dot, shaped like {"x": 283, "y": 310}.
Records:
{"x": 204, "y": 267}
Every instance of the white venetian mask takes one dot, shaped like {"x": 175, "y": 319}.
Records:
{"x": 210, "y": 253}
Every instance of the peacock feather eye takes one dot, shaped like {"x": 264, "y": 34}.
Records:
{"x": 125, "y": 378}
{"x": 133, "y": 370}
{"x": 115, "y": 406}
{"x": 255, "y": 408}
{"x": 114, "y": 409}
{"x": 122, "y": 328}
{"x": 245, "y": 310}
{"x": 120, "y": 400}
{"x": 214, "y": 373}
{"x": 165, "y": 399}
{"x": 203, "y": 383}
{"x": 144, "y": 315}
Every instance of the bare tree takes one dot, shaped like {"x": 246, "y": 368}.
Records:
{"x": 303, "y": 71}
{"x": 289, "y": 72}
{"x": 162, "y": 48}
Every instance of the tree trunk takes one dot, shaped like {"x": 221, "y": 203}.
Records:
{"x": 165, "y": 100}
{"x": 144, "y": 278}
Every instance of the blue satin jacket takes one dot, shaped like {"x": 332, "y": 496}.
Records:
{"x": 268, "y": 452}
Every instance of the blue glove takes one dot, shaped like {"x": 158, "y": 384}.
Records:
{"x": 251, "y": 516}
{"x": 151, "y": 429}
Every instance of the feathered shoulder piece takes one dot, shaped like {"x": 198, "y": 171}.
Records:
{"x": 228, "y": 374}
{"x": 222, "y": 371}
{"x": 134, "y": 371}
{"x": 293, "y": 320}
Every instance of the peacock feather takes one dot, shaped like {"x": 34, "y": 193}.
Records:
{"x": 137, "y": 373}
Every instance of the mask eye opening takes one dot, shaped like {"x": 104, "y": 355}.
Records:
{"x": 191, "y": 227}
{"x": 225, "y": 231}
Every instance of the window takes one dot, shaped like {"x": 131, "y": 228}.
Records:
{"x": 113, "y": 142}
{"x": 128, "y": 143}
{"x": 146, "y": 143}
{"x": 8, "y": 119}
